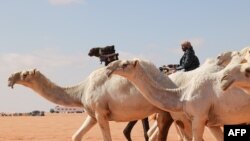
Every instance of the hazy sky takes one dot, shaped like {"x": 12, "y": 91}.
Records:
{"x": 55, "y": 36}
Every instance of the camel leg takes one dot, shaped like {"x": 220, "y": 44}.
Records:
{"x": 217, "y": 133}
{"x": 145, "y": 125}
{"x": 152, "y": 129}
{"x": 154, "y": 135}
{"x": 198, "y": 126}
{"x": 179, "y": 134}
{"x": 104, "y": 126}
{"x": 86, "y": 126}
{"x": 128, "y": 129}
{"x": 164, "y": 122}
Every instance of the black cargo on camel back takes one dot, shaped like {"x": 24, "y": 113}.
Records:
{"x": 105, "y": 54}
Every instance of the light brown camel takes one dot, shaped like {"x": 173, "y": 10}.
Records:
{"x": 203, "y": 100}
{"x": 104, "y": 99}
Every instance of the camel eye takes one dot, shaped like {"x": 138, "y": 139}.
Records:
{"x": 25, "y": 75}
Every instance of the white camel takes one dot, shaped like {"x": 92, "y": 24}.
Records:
{"x": 181, "y": 78}
{"x": 104, "y": 99}
{"x": 203, "y": 100}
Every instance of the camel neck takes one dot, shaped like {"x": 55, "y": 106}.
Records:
{"x": 158, "y": 96}
{"x": 68, "y": 96}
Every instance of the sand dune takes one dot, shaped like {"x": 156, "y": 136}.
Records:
{"x": 60, "y": 127}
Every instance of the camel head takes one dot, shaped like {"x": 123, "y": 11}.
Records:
{"x": 246, "y": 53}
{"x": 123, "y": 68}
{"x": 22, "y": 77}
{"x": 224, "y": 58}
{"x": 237, "y": 75}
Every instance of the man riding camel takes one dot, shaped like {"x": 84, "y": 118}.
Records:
{"x": 189, "y": 61}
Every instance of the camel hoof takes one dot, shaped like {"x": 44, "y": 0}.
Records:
{"x": 76, "y": 138}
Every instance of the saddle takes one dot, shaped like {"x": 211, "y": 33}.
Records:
{"x": 168, "y": 69}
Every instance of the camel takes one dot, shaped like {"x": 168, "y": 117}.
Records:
{"x": 181, "y": 78}
{"x": 103, "y": 98}
{"x": 107, "y": 54}
{"x": 202, "y": 105}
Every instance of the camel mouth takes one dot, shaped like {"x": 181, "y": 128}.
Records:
{"x": 225, "y": 77}
{"x": 109, "y": 72}
{"x": 112, "y": 67}
{"x": 13, "y": 79}
{"x": 113, "y": 70}
{"x": 226, "y": 82}
{"x": 11, "y": 83}
{"x": 220, "y": 62}
{"x": 227, "y": 85}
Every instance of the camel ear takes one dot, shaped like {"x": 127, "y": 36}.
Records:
{"x": 226, "y": 82}
{"x": 136, "y": 62}
{"x": 34, "y": 71}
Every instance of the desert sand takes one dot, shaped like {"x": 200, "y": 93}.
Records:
{"x": 60, "y": 127}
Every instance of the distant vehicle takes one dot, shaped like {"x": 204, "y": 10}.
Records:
{"x": 37, "y": 113}
{"x": 59, "y": 109}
